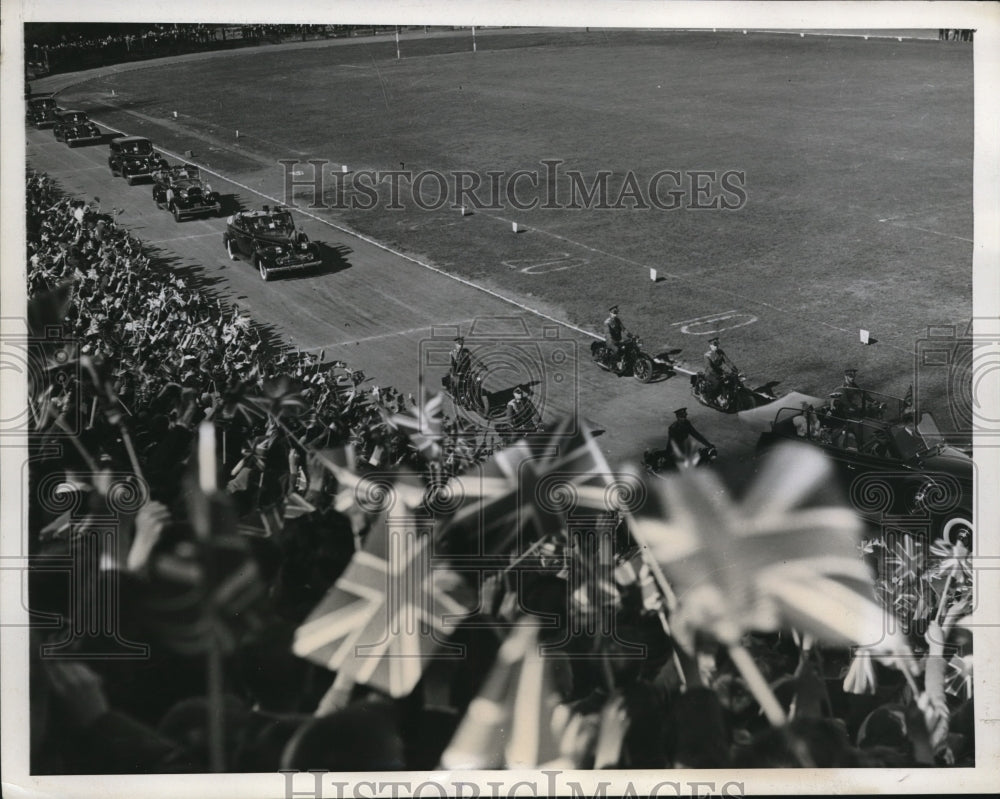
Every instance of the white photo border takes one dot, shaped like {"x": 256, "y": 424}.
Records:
{"x": 14, "y": 715}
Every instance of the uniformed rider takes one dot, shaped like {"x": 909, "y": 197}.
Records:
{"x": 461, "y": 359}
{"x": 463, "y": 370}
{"x": 522, "y": 416}
{"x": 717, "y": 363}
{"x": 855, "y": 398}
{"x": 615, "y": 334}
{"x": 680, "y": 433}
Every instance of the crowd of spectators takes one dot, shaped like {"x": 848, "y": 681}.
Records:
{"x": 132, "y": 356}
{"x": 129, "y": 357}
{"x": 88, "y": 46}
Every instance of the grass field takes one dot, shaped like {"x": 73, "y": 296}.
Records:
{"x": 857, "y": 158}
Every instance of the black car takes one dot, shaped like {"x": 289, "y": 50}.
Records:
{"x": 41, "y": 110}
{"x": 181, "y": 191}
{"x": 75, "y": 128}
{"x": 269, "y": 238}
{"x": 897, "y": 471}
{"x": 133, "y": 158}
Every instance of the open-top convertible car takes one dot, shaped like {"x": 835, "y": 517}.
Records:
{"x": 133, "y": 157}
{"x": 896, "y": 470}
{"x": 75, "y": 127}
{"x": 269, "y": 238}
{"x": 41, "y": 110}
{"x": 181, "y": 191}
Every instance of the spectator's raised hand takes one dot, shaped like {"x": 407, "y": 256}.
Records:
{"x": 150, "y": 522}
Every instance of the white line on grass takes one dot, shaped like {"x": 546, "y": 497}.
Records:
{"x": 705, "y": 286}
{"x": 375, "y": 243}
{"x": 897, "y": 37}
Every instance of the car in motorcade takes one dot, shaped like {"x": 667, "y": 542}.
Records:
{"x": 134, "y": 158}
{"x": 180, "y": 189}
{"x": 897, "y": 471}
{"x": 75, "y": 128}
{"x": 270, "y": 240}
{"x": 40, "y": 110}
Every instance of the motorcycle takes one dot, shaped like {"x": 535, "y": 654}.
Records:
{"x": 509, "y": 435}
{"x": 631, "y": 359}
{"x": 467, "y": 392}
{"x": 658, "y": 461}
{"x": 733, "y": 395}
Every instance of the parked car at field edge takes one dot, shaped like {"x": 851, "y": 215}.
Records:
{"x": 269, "y": 238}
{"x": 181, "y": 191}
{"x": 133, "y": 157}
{"x": 41, "y": 110}
{"x": 893, "y": 474}
{"x": 75, "y": 128}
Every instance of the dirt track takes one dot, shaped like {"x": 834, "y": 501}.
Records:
{"x": 373, "y": 306}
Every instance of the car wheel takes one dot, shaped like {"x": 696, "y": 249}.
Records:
{"x": 642, "y": 369}
{"x": 177, "y": 213}
{"x": 265, "y": 273}
{"x": 231, "y": 249}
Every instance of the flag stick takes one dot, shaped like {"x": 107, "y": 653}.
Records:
{"x": 337, "y": 697}
{"x": 216, "y": 726}
{"x": 213, "y": 656}
{"x": 206, "y": 458}
{"x": 901, "y": 665}
{"x": 757, "y": 684}
{"x": 76, "y": 443}
{"x": 524, "y": 554}
{"x": 944, "y": 597}
{"x": 127, "y": 439}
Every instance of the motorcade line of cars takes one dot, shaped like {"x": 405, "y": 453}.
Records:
{"x": 268, "y": 238}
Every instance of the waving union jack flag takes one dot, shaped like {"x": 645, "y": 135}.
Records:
{"x": 424, "y": 426}
{"x": 387, "y": 614}
{"x": 513, "y": 722}
{"x": 528, "y": 491}
{"x": 769, "y": 562}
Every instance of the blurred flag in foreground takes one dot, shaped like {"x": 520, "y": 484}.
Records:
{"x": 511, "y": 723}
{"x": 527, "y": 491}
{"x": 769, "y": 562}
{"x": 387, "y": 614}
